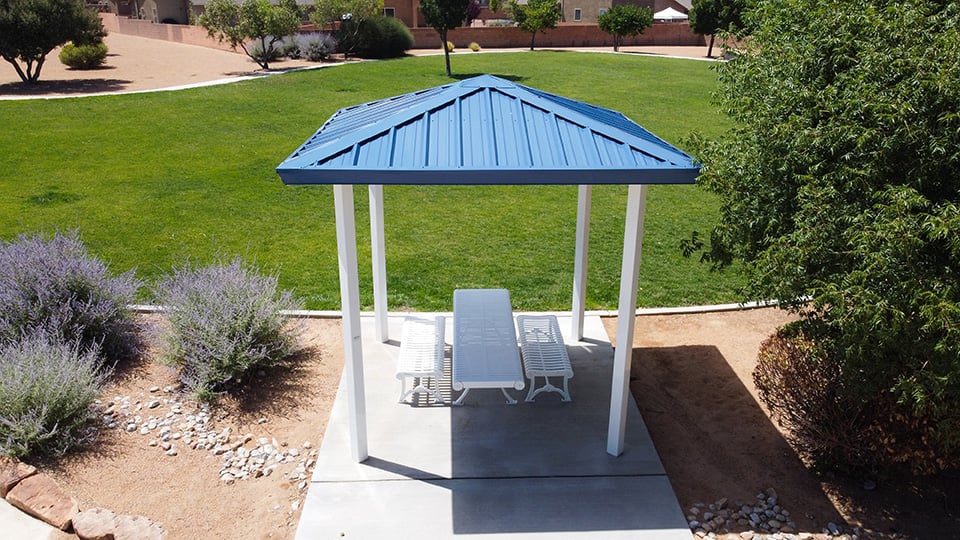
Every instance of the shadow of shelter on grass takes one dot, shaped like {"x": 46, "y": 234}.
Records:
{"x": 714, "y": 439}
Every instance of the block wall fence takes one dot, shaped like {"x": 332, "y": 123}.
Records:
{"x": 567, "y": 35}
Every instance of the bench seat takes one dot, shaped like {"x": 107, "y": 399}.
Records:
{"x": 544, "y": 354}
{"x": 421, "y": 356}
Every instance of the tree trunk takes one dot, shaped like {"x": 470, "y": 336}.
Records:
{"x": 35, "y": 76}
{"x": 265, "y": 59}
{"x": 616, "y": 43}
{"x": 710, "y": 47}
{"x": 16, "y": 66}
{"x": 446, "y": 51}
{"x": 533, "y": 36}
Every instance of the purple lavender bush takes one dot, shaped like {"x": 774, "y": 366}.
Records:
{"x": 54, "y": 287}
{"x": 225, "y": 321}
{"x": 46, "y": 392}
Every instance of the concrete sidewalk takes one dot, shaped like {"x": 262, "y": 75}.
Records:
{"x": 486, "y": 469}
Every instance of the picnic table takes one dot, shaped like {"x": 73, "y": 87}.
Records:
{"x": 485, "y": 350}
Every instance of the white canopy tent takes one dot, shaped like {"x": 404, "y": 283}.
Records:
{"x": 670, "y": 15}
{"x": 486, "y": 131}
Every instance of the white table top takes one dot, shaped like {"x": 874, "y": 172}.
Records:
{"x": 485, "y": 350}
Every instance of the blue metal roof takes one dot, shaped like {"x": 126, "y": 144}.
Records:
{"x": 484, "y": 130}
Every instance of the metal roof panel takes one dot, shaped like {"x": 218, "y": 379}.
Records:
{"x": 484, "y": 130}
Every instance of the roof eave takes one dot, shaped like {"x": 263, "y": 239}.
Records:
{"x": 665, "y": 175}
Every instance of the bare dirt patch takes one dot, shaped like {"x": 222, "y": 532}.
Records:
{"x": 137, "y": 64}
{"x": 692, "y": 381}
{"x": 184, "y": 493}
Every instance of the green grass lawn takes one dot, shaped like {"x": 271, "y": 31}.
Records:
{"x": 155, "y": 180}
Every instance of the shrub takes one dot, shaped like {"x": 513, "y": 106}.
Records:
{"x": 833, "y": 426}
{"x": 450, "y": 46}
{"x": 474, "y": 46}
{"x": 320, "y": 49}
{"x": 314, "y": 46}
{"x": 46, "y": 389}
{"x": 804, "y": 390}
{"x": 292, "y": 49}
{"x": 84, "y": 56}
{"x": 379, "y": 36}
{"x": 224, "y": 322}
{"x": 54, "y": 287}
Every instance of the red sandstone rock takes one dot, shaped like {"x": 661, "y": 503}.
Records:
{"x": 12, "y": 471}
{"x": 41, "y": 497}
{"x": 137, "y": 528}
{"x": 95, "y": 524}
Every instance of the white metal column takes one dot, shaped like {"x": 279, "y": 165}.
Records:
{"x": 584, "y": 196}
{"x": 378, "y": 251}
{"x": 622, "y": 357}
{"x": 350, "y": 309}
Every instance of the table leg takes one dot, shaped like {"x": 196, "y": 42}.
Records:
{"x": 459, "y": 400}
{"x": 510, "y": 400}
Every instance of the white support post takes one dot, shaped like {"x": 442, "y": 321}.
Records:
{"x": 622, "y": 357}
{"x": 584, "y": 196}
{"x": 379, "y": 255}
{"x": 350, "y": 306}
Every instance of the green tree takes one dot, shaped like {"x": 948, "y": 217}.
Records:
{"x": 625, "y": 20}
{"x": 716, "y": 16}
{"x": 347, "y": 18}
{"x": 443, "y": 16}
{"x": 535, "y": 16}
{"x": 256, "y": 21}
{"x": 331, "y": 12}
{"x": 30, "y": 29}
{"x": 840, "y": 189}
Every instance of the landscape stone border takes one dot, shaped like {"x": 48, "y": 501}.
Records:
{"x": 39, "y": 496}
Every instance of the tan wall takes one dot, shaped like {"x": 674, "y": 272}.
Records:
{"x": 589, "y": 10}
{"x": 567, "y": 35}
{"x": 180, "y": 33}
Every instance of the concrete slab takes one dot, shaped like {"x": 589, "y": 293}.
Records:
{"x": 16, "y": 524}
{"x": 608, "y": 507}
{"x": 487, "y": 468}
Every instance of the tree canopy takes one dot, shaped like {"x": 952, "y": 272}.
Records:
{"x": 625, "y": 20}
{"x": 535, "y": 16}
{"x": 443, "y": 16}
{"x": 840, "y": 189}
{"x": 30, "y": 29}
{"x": 715, "y": 16}
{"x": 257, "y": 21}
{"x": 330, "y": 11}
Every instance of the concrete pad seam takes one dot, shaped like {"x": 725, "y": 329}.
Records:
{"x": 486, "y": 478}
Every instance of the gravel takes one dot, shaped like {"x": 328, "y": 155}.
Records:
{"x": 195, "y": 427}
{"x": 763, "y": 518}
